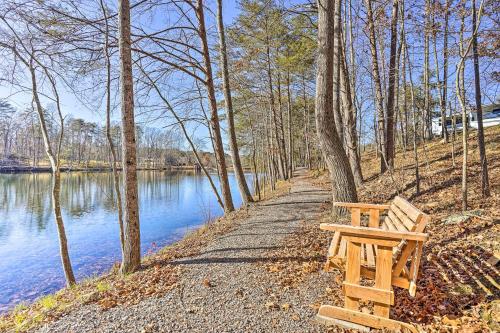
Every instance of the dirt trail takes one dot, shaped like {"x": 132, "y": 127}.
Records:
{"x": 226, "y": 288}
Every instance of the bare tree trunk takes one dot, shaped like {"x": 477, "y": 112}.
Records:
{"x": 306, "y": 122}
{"x": 427, "y": 109}
{"x": 413, "y": 107}
{"x": 290, "y": 136}
{"x": 214, "y": 117}
{"x": 460, "y": 90}
{"x": 389, "y": 143}
{"x": 132, "y": 240}
{"x": 453, "y": 135}
{"x": 54, "y": 160}
{"x": 281, "y": 133}
{"x": 343, "y": 186}
{"x": 114, "y": 160}
{"x": 378, "y": 87}
{"x": 485, "y": 183}
{"x": 444, "y": 130}
{"x": 272, "y": 102}
{"x": 350, "y": 117}
{"x": 233, "y": 145}
{"x": 337, "y": 26}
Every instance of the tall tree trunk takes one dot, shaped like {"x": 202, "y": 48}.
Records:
{"x": 233, "y": 145}
{"x": 343, "y": 186}
{"x": 214, "y": 117}
{"x": 427, "y": 107}
{"x": 444, "y": 130}
{"x": 389, "y": 143}
{"x": 337, "y": 39}
{"x": 485, "y": 183}
{"x": 114, "y": 160}
{"x": 306, "y": 123}
{"x": 54, "y": 160}
{"x": 414, "y": 118}
{"x": 379, "y": 100}
{"x": 350, "y": 118}
{"x": 281, "y": 133}
{"x": 290, "y": 135}
{"x": 272, "y": 103}
{"x": 460, "y": 90}
{"x": 132, "y": 236}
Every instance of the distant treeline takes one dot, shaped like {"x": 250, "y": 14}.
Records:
{"x": 84, "y": 145}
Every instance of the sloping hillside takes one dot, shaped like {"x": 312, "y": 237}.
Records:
{"x": 459, "y": 284}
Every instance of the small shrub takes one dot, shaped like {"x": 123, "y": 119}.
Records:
{"x": 102, "y": 286}
{"x": 48, "y": 302}
{"x": 19, "y": 319}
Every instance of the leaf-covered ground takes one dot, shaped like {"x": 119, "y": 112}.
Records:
{"x": 459, "y": 281}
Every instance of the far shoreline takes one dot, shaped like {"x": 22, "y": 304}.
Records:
{"x": 25, "y": 169}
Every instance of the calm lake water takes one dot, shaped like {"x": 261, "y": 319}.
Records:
{"x": 171, "y": 203}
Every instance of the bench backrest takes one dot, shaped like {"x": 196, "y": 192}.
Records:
{"x": 403, "y": 216}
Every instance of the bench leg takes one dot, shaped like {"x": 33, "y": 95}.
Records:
{"x": 353, "y": 268}
{"x": 383, "y": 276}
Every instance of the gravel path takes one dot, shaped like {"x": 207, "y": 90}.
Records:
{"x": 224, "y": 289}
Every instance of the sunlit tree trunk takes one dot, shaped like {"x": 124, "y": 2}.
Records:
{"x": 290, "y": 135}
{"x": 214, "y": 117}
{"x": 460, "y": 91}
{"x": 389, "y": 136}
{"x": 114, "y": 159}
{"x": 54, "y": 160}
{"x": 343, "y": 186}
{"x": 485, "y": 183}
{"x": 233, "y": 145}
{"x": 427, "y": 131}
{"x": 132, "y": 239}
{"x": 337, "y": 39}
{"x": 379, "y": 100}
{"x": 350, "y": 118}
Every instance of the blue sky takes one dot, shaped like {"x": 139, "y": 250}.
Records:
{"x": 72, "y": 106}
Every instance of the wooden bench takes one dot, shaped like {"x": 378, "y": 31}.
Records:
{"x": 387, "y": 251}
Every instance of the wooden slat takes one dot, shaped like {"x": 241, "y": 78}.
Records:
{"x": 403, "y": 258}
{"x": 328, "y": 311}
{"x": 415, "y": 264}
{"x": 396, "y": 280}
{"x": 356, "y": 217}
{"x": 397, "y": 222}
{"x": 376, "y": 241}
{"x": 332, "y": 250}
{"x": 361, "y": 205}
{"x": 353, "y": 269}
{"x": 383, "y": 274}
{"x": 409, "y": 224}
{"x": 370, "y": 256}
{"x": 363, "y": 251}
{"x": 343, "y": 248}
{"x": 420, "y": 226}
{"x": 410, "y": 210}
{"x": 374, "y": 218}
{"x": 374, "y": 232}
{"x": 389, "y": 224}
{"x": 369, "y": 293}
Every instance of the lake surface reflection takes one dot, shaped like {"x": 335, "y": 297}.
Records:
{"x": 170, "y": 204}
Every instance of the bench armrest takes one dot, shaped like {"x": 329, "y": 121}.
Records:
{"x": 367, "y": 232}
{"x": 361, "y": 205}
